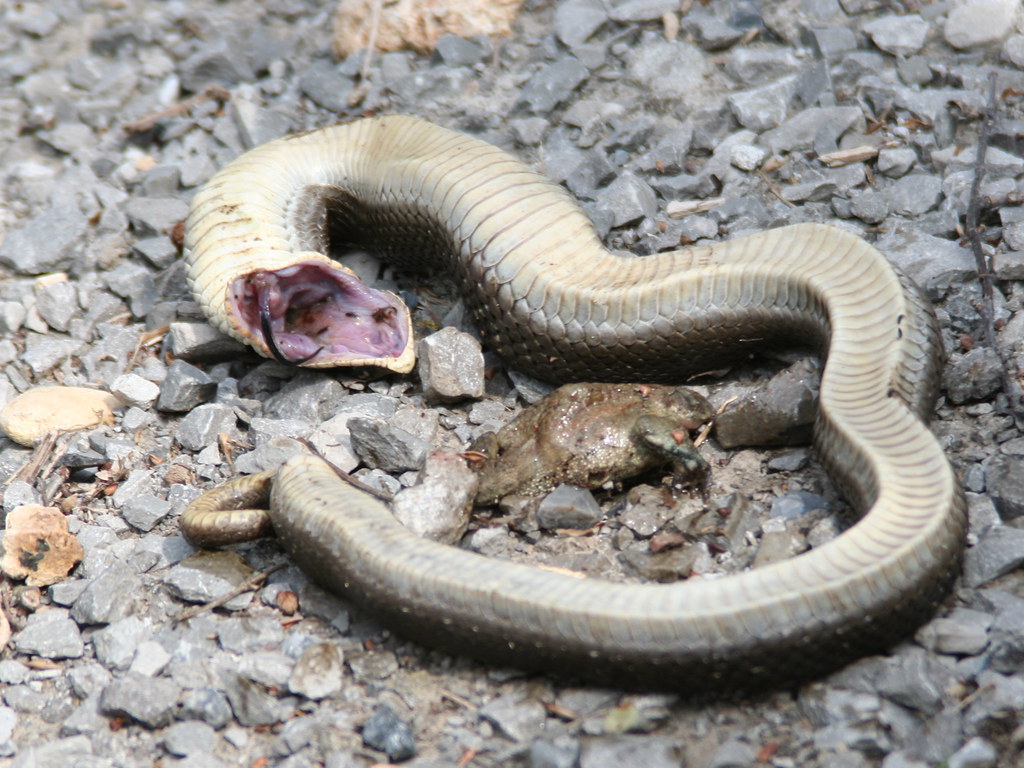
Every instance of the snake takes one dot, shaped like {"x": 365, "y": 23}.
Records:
{"x": 555, "y": 303}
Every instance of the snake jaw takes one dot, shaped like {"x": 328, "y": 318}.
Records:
{"x": 317, "y": 315}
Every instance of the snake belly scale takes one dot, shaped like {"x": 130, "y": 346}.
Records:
{"x": 551, "y": 300}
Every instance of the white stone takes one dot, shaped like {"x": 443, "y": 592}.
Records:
{"x": 980, "y": 22}
{"x": 898, "y": 35}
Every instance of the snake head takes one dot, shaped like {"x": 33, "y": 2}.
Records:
{"x": 318, "y": 315}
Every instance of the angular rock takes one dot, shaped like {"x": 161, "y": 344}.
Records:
{"x": 627, "y": 199}
{"x": 199, "y": 343}
{"x": 438, "y": 507}
{"x": 451, "y": 366}
{"x": 381, "y": 446}
{"x": 552, "y": 85}
{"x": 185, "y": 387}
{"x": 318, "y": 672}
{"x": 898, "y": 35}
{"x": 110, "y": 596}
{"x": 205, "y": 576}
{"x": 778, "y": 412}
{"x": 151, "y": 702}
{"x": 47, "y": 243}
{"x": 999, "y": 551}
{"x": 977, "y": 23}
{"x": 568, "y": 507}
{"x": 51, "y": 634}
{"x": 386, "y": 733}
{"x": 202, "y": 426}
{"x": 1004, "y": 480}
{"x": 975, "y": 375}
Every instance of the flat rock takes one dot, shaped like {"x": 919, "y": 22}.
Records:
{"x": 42, "y": 410}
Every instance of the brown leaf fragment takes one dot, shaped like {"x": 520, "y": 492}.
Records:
{"x": 37, "y": 546}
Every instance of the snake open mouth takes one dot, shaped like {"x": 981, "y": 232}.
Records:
{"x": 311, "y": 313}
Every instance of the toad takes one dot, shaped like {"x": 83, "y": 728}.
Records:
{"x": 592, "y": 434}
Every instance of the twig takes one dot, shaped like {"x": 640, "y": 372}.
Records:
{"x": 986, "y": 307}
{"x": 249, "y": 584}
{"x": 144, "y": 124}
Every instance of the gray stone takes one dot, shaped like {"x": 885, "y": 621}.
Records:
{"x": 318, "y": 672}
{"x": 915, "y": 195}
{"x": 750, "y": 65}
{"x": 44, "y": 353}
{"x": 155, "y": 216}
{"x": 1004, "y": 480}
{"x": 777, "y": 412}
{"x": 789, "y": 461}
{"x": 627, "y": 199}
{"x": 568, "y": 507}
{"x": 514, "y": 717}
{"x": 198, "y": 343}
{"x": 48, "y": 242}
{"x": 202, "y": 426}
{"x": 143, "y": 512}
{"x": 451, "y": 366}
{"x": 962, "y": 632}
{"x": 8, "y": 722}
{"x": 833, "y": 42}
{"x": 221, "y": 62}
{"x": 780, "y": 540}
{"x": 895, "y": 161}
{"x": 110, "y": 596}
{"x": 577, "y": 20}
{"x": 386, "y": 733}
{"x": 552, "y": 85}
{"x": 734, "y": 754}
{"x": 796, "y": 504}
{"x": 381, "y": 446}
{"x": 898, "y": 35}
{"x": 158, "y": 251}
{"x": 980, "y": 22}
{"x": 57, "y": 304}
{"x": 313, "y": 397}
{"x": 438, "y": 507}
{"x": 190, "y": 737}
{"x": 616, "y": 751}
{"x": 870, "y": 206}
{"x": 817, "y": 128}
{"x": 135, "y": 283}
{"x": 641, "y": 10}
{"x": 74, "y": 750}
{"x": 546, "y": 754}
{"x": 934, "y": 263}
{"x": 149, "y": 701}
{"x": 115, "y": 644}
{"x": 670, "y": 70}
{"x": 999, "y": 551}
{"x": 206, "y": 704}
{"x": 206, "y": 576}
{"x": 245, "y": 635}
{"x": 975, "y": 375}
{"x": 324, "y": 83}
{"x": 457, "y": 51}
{"x": 257, "y": 125}
{"x": 135, "y": 390}
{"x": 976, "y": 753}
{"x": 51, "y": 634}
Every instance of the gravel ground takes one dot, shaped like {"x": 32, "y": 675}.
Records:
{"x": 739, "y": 103}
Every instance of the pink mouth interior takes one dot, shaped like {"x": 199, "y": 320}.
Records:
{"x": 314, "y": 312}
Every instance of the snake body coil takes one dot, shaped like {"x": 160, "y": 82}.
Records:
{"x": 552, "y": 301}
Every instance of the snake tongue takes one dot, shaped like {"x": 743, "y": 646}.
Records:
{"x": 317, "y": 315}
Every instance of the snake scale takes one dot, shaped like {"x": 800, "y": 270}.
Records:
{"x": 553, "y": 302}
